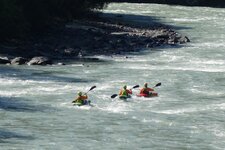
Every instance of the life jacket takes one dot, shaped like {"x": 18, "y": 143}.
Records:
{"x": 81, "y": 99}
{"x": 124, "y": 92}
{"x": 146, "y": 90}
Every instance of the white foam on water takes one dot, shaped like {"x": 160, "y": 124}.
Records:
{"x": 115, "y": 11}
{"x": 188, "y": 19}
{"x": 207, "y": 93}
{"x": 193, "y": 109}
{"x": 219, "y": 106}
{"x": 117, "y": 106}
{"x": 119, "y": 82}
{"x": 158, "y": 122}
{"x": 15, "y": 81}
{"x": 137, "y": 67}
{"x": 77, "y": 65}
{"x": 135, "y": 60}
{"x": 36, "y": 90}
{"x": 210, "y": 45}
{"x": 152, "y": 120}
{"x": 13, "y": 93}
{"x": 102, "y": 86}
{"x": 177, "y": 111}
{"x": 219, "y": 133}
{"x": 31, "y": 87}
{"x": 207, "y": 62}
{"x": 71, "y": 106}
{"x": 199, "y": 68}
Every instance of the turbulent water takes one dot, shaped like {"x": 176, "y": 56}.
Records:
{"x": 35, "y": 102}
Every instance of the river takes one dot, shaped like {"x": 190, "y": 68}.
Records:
{"x": 189, "y": 113}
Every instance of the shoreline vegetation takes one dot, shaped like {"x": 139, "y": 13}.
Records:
{"x": 82, "y": 36}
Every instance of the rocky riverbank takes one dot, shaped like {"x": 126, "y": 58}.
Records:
{"x": 85, "y": 38}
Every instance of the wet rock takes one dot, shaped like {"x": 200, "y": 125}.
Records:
{"x": 183, "y": 40}
{"x": 40, "y": 61}
{"x": 19, "y": 61}
{"x": 161, "y": 35}
{"x": 171, "y": 41}
{"x": 4, "y": 60}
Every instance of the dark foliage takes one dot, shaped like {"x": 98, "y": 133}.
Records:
{"x": 19, "y": 16}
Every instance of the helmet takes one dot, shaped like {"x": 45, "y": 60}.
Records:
{"x": 79, "y": 93}
{"x": 146, "y": 85}
{"x": 125, "y": 86}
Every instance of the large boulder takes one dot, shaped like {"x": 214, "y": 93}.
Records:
{"x": 40, "y": 61}
{"x": 18, "y": 61}
{"x": 4, "y": 60}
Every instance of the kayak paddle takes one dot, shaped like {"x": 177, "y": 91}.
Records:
{"x": 115, "y": 95}
{"x": 136, "y": 86}
{"x": 90, "y": 89}
{"x": 158, "y": 84}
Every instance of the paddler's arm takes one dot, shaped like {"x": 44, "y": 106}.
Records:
{"x": 150, "y": 89}
{"x": 129, "y": 91}
{"x": 121, "y": 91}
{"x": 74, "y": 101}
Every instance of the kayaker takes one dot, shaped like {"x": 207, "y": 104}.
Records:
{"x": 81, "y": 99}
{"x": 125, "y": 92}
{"x": 146, "y": 90}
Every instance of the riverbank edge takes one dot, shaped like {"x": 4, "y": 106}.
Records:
{"x": 87, "y": 37}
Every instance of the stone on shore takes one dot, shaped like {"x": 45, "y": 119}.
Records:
{"x": 19, "y": 61}
{"x": 4, "y": 60}
{"x": 183, "y": 40}
{"x": 40, "y": 61}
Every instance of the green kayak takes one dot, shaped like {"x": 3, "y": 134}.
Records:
{"x": 124, "y": 97}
